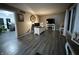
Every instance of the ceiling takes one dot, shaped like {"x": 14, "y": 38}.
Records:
{"x": 6, "y": 13}
{"x": 42, "y": 8}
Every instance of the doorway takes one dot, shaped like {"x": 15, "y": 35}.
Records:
{"x": 7, "y": 24}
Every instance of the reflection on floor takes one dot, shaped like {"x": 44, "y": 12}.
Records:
{"x": 8, "y": 42}
{"x": 48, "y": 43}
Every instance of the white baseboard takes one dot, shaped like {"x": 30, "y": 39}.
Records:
{"x": 27, "y": 32}
{"x": 66, "y": 48}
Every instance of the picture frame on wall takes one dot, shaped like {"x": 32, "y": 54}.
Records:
{"x": 20, "y": 17}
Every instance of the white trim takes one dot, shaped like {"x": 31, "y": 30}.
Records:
{"x": 19, "y": 36}
{"x": 70, "y": 20}
{"x": 72, "y": 6}
{"x": 66, "y": 46}
{"x": 16, "y": 25}
{"x": 65, "y": 23}
{"x": 74, "y": 40}
{"x": 71, "y": 9}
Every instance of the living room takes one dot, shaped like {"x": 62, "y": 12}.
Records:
{"x": 41, "y": 12}
{"x": 41, "y": 28}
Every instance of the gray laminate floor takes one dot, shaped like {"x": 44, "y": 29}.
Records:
{"x": 48, "y": 43}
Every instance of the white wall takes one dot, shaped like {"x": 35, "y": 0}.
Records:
{"x": 59, "y": 19}
{"x": 23, "y": 27}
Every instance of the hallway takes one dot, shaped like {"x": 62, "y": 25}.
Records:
{"x": 48, "y": 43}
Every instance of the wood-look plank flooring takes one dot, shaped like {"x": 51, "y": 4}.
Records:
{"x": 48, "y": 43}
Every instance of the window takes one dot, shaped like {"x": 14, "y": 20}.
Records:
{"x": 69, "y": 20}
{"x": 1, "y": 21}
{"x": 73, "y": 19}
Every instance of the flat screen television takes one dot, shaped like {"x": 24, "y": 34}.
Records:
{"x": 37, "y": 24}
{"x": 51, "y": 21}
